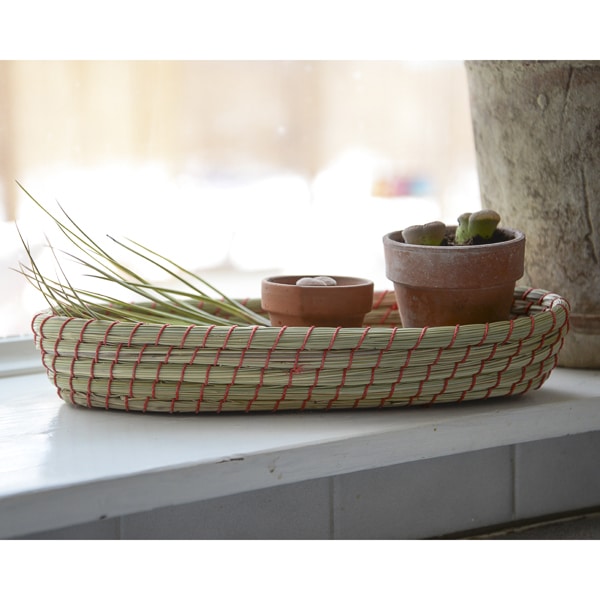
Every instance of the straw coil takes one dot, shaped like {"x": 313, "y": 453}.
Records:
{"x": 136, "y": 366}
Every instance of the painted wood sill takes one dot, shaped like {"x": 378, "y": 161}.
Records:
{"x": 62, "y": 465}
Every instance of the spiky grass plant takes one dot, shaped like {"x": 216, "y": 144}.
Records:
{"x": 196, "y": 303}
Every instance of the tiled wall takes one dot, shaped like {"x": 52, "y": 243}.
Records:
{"x": 423, "y": 499}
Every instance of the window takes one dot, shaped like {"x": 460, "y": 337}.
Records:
{"x": 237, "y": 170}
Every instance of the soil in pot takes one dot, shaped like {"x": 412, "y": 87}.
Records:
{"x": 344, "y": 304}
{"x": 454, "y": 285}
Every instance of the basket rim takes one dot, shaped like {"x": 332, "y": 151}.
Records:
{"x": 532, "y": 299}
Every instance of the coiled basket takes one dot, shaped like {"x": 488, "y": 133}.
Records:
{"x": 211, "y": 369}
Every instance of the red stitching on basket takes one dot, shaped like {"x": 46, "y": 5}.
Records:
{"x": 111, "y": 376}
{"x": 158, "y": 370}
{"x": 473, "y": 381}
{"x": 55, "y": 353}
{"x": 350, "y": 360}
{"x": 203, "y": 385}
{"x": 546, "y": 374}
{"x": 566, "y": 325}
{"x": 216, "y": 361}
{"x": 532, "y": 330}
{"x": 80, "y": 339}
{"x": 492, "y": 352}
{"x": 486, "y": 332}
{"x": 457, "y": 364}
{"x": 320, "y": 367}
{"x": 403, "y": 368}
{"x": 178, "y": 387}
{"x": 429, "y": 369}
{"x": 295, "y": 370}
{"x": 529, "y": 302}
{"x": 60, "y": 332}
{"x": 72, "y": 368}
{"x": 509, "y": 361}
{"x": 541, "y": 369}
{"x": 516, "y": 383}
{"x": 437, "y": 359}
{"x": 194, "y": 354}
{"x": 108, "y": 329}
{"x": 71, "y": 377}
{"x": 97, "y": 353}
{"x": 524, "y": 373}
{"x": 88, "y": 393}
{"x": 528, "y": 307}
{"x": 237, "y": 367}
{"x": 543, "y": 297}
{"x": 421, "y": 336}
{"x": 525, "y": 294}
{"x": 446, "y": 381}
{"x": 205, "y": 338}
{"x": 136, "y": 364}
{"x": 206, "y": 375}
{"x": 229, "y": 332}
{"x": 393, "y": 332}
{"x": 421, "y": 384}
{"x": 386, "y": 315}
{"x": 185, "y": 334}
{"x": 41, "y": 336}
{"x": 159, "y": 335}
{"x": 541, "y": 344}
{"x": 511, "y": 326}
{"x": 527, "y": 387}
{"x": 266, "y": 365}
{"x": 495, "y": 386}
{"x": 378, "y": 299}
{"x": 454, "y": 336}
{"x": 428, "y": 374}
{"x": 135, "y": 328}
{"x": 347, "y": 368}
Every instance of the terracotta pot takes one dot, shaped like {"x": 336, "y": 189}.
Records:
{"x": 341, "y": 305}
{"x": 450, "y": 285}
{"x": 537, "y": 143}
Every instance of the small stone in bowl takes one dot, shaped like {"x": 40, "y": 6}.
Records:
{"x": 320, "y": 280}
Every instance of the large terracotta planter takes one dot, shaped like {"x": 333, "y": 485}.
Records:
{"x": 537, "y": 141}
{"x": 341, "y": 305}
{"x": 454, "y": 285}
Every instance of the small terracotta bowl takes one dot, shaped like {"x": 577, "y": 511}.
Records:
{"x": 341, "y": 305}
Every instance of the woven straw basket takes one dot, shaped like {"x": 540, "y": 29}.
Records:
{"x": 196, "y": 369}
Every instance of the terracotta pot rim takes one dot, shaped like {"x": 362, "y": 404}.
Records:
{"x": 392, "y": 238}
{"x": 455, "y": 267}
{"x": 346, "y": 281}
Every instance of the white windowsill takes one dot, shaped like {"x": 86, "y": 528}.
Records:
{"x": 62, "y": 465}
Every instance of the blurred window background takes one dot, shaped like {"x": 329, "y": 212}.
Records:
{"x": 234, "y": 169}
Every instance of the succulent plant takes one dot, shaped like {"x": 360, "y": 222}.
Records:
{"x": 430, "y": 234}
{"x": 481, "y": 224}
